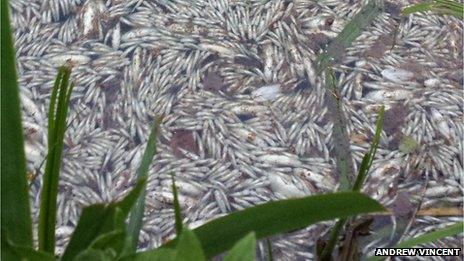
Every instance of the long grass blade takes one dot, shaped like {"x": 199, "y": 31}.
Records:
{"x": 430, "y": 237}
{"x": 452, "y": 230}
{"x": 188, "y": 247}
{"x": 11, "y": 251}
{"x": 438, "y": 6}
{"x": 56, "y": 129}
{"x": 270, "y": 255}
{"x": 136, "y": 215}
{"x": 97, "y": 220}
{"x": 335, "y": 50}
{"x": 369, "y": 157}
{"x": 15, "y": 209}
{"x": 177, "y": 211}
{"x": 243, "y": 250}
{"x": 363, "y": 170}
{"x": 220, "y": 234}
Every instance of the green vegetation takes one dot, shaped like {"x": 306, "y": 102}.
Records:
{"x": 102, "y": 233}
{"x": 444, "y": 7}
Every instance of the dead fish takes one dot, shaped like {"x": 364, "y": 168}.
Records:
{"x": 397, "y": 75}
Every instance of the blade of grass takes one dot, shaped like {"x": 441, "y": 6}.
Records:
{"x": 243, "y": 250}
{"x": 430, "y": 237}
{"x": 188, "y": 247}
{"x": 136, "y": 215}
{"x": 363, "y": 170}
{"x": 369, "y": 157}
{"x": 56, "y": 129}
{"x": 15, "y": 210}
{"x": 270, "y": 256}
{"x": 177, "y": 212}
{"x": 97, "y": 220}
{"x": 350, "y": 32}
{"x": 437, "y": 6}
{"x": 452, "y": 230}
{"x": 220, "y": 234}
{"x": 344, "y": 160}
{"x": 11, "y": 251}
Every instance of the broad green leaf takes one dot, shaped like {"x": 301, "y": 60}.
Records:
{"x": 188, "y": 247}
{"x": 160, "y": 254}
{"x": 14, "y": 252}
{"x": 430, "y": 237}
{"x": 57, "y": 126}
{"x": 99, "y": 219}
{"x": 177, "y": 212}
{"x": 15, "y": 210}
{"x": 278, "y": 217}
{"x": 243, "y": 250}
{"x": 136, "y": 215}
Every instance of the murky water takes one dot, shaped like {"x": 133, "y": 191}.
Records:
{"x": 246, "y": 115}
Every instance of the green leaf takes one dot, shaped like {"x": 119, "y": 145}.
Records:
{"x": 363, "y": 170}
{"x": 420, "y": 7}
{"x": 136, "y": 215}
{"x": 177, "y": 212}
{"x": 430, "y": 237}
{"x": 270, "y": 256}
{"x": 243, "y": 250}
{"x": 335, "y": 50}
{"x": 444, "y": 7}
{"x": 14, "y": 252}
{"x": 280, "y": 217}
{"x": 369, "y": 157}
{"x": 188, "y": 247}
{"x": 56, "y": 129}
{"x": 426, "y": 238}
{"x": 15, "y": 210}
{"x": 97, "y": 220}
{"x": 113, "y": 239}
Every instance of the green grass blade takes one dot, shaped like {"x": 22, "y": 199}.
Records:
{"x": 278, "y": 217}
{"x": 420, "y": 7}
{"x": 15, "y": 210}
{"x": 369, "y": 157}
{"x": 344, "y": 160}
{"x": 47, "y": 215}
{"x": 350, "y": 32}
{"x": 11, "y": 251}
{"x": 363, "y": 170}
{"x": 430, "y": 237}
{"x": 188, "y": 247}
{"x": 97, "y": 220}
{"x": 243, "y": 250}
{"x": 326, "y": 254}
{"x": 452, "y": 230}
{"x": 437, "y": 6}
{"x": 13, "y": 161}
{"x": 177, "y": 211}
{"x": 270, "y": 255}
{"x": 136, "y": 215}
